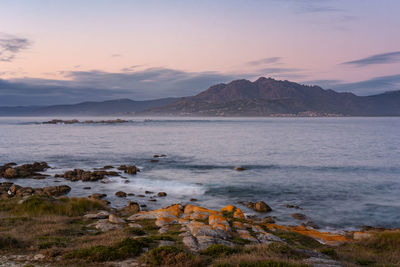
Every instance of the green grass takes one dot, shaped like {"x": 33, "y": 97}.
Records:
{"x": 171, "y": 256}
{"x": 39, "y": 205}
{"x": 122, "y": 250}
{"x": 135, "y": 231}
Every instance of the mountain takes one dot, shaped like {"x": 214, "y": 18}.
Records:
{"x": 270, "y": 97}
{"x": 111, "y": 107}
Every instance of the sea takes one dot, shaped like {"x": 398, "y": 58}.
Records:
{"x": 344, "y": 173}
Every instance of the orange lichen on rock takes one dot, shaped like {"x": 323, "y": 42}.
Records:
{"x": 323, "y": 237}
{"x": 198, "y": 213}
{"x": 218, "y": 222}
{"x": 237, "y": 213}
{"x": 174, "y": 211}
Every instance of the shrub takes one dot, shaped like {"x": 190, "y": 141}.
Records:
{"x": 169, "y": 256}
{"x": 122, "y": 250}
{"x": 8, "y": 242}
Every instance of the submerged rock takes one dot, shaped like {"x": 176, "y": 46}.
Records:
{"x": 162, "y": 194}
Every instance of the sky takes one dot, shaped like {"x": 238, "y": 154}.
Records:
{"x": 69, "y": 51}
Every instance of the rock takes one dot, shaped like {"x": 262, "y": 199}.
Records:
{"x": 268, "y": 219}
{"x": 38, "y": 257}
{"x": 191, "y": 243}
{"x": 97, "y": 196}
{"x": 193, "y": 199}
{"x": 135, "y": 225}
{"x": 292, "y": 206}
{"x": 104, "y": 225}
{"x": 299, "y": 216}
{"x": 131, "y": 194}
{"x": 162, "y": 194}
{"x": 234, "y": 211}
{"x": 100, "y": 215}
{"x": 141, "y": 196}
{"x": 152, "y": 200}
{"x": 87, "y": 188}
{"x": 112, "y": 218}
{"x": 108, "y": 167}
{"x": 120, "y": 194}
{"x": 56, "y": 191}
{"x": 10, "y": 173}
{"x": 122, "y": 168}
{"x": 132, "y": 208}
{"x": 131, "y": 169}
{"x": 154, "y": 160}
{"x": 261, "y": 206}
{"x": 240, "y": 168}
{"x": 148, "y": 192}
{"x": 162, "y": 243}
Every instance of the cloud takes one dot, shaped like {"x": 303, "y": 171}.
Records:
{"x": 386, "y": 58}
{"x": 375, "y": 85}
{"x": 98, "y": 85}
{"x": 10, "y": 46}
{"x": 265, "y": 61}
{"x": 372, "y": 86}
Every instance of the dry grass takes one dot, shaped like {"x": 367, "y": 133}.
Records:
{"x": 382, "y": 249}
{"x": 257, "y": 254}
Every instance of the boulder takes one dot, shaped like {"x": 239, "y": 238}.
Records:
{"x": 261, "y": 206}
{"x": 162, "y": 194}
{"x": 131, "y": 169}
{"x": 299, "y": 216}
{"x": 10, "y": 173}
{"x": 112, "y": 218}
{"x": 120, "y": 194}
{"x": 97, "y": 196}
{"x": 56, "y": 191}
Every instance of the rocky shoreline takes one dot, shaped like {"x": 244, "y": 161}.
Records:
{"x": 183, "y": 233}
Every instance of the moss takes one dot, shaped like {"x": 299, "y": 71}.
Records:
{"x": 122, "y": 250}
{"x": 298, "y": 239}
{"x": 40, "y": 205}
{"x": 217, "y": 250}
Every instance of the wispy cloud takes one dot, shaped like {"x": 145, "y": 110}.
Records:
{"x": 265, "y": 61}
{"x": 10, "y": 46}
{"x": 385, "y": 58}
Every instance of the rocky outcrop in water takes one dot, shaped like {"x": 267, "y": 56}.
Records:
{"x": 12, "y": 171}
{"x": 58, "y": 121}
{"x": 86, "y": 176}
{"x": 9, "y": 190}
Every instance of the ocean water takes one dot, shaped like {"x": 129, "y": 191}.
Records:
{"x": 343, "y": 172}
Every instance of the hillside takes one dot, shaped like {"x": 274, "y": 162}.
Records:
{"x": 269, "y": 97}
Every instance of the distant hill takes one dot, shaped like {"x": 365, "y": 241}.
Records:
{"x": 111, "y": 107}
{"x": 270, "y": 97}
{"x": 263, "y": 97}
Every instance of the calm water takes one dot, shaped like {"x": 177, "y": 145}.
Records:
{"x": 343, "y": 172}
